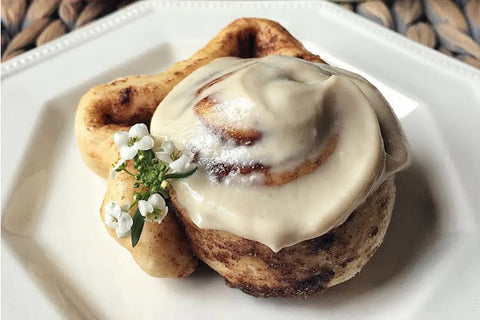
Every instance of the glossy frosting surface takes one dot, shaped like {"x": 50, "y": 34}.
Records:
{"x": 286, "y": 149}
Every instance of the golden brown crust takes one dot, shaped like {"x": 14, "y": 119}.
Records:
{"x": 302, "y": 269}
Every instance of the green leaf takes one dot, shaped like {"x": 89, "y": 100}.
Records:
{"x": 179, "y": 175}
{"x": 138, "y": 222}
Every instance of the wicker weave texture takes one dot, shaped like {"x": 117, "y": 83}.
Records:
{"x": 452, "y": 27}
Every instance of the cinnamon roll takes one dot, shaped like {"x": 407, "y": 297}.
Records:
{"x": 296, "y": 161}
{"x": 163, "y": 250}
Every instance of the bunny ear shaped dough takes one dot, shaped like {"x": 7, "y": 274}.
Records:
{"x": 163, "y": 250}
{"x": 116, "y": 106}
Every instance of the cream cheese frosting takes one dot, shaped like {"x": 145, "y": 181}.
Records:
{"x": 291, "y": 112}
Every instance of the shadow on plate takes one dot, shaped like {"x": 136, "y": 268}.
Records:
{"x": 50, "y": 277}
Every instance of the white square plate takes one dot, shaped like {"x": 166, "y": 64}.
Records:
{"x": 58, "y": 261}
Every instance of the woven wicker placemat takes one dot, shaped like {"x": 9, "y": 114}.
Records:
{"x": 452, "y": 27}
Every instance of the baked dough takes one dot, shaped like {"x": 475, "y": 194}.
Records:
{"x": 305, "y": 268}
{"x": 163, "y": 251}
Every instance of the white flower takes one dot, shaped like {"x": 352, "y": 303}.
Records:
{"x": 137, "y": 133}
{"x": 168, "y": 151}
{"x": 165, "y": 153}
{"x": 129, "y": 142}
{"x": 118, "y": 220}
{"x": 154, "y": 209}
{"x": 183, "y": 164}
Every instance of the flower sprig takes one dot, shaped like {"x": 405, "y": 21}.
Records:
{"x": 153, "y": 167}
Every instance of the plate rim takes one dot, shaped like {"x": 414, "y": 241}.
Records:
{"x": 92, "y": 31}
{"x": 137, "y": 9}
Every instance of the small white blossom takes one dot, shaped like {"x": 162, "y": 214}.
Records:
{"x": 165, "y": 153}
{"x": 154, "y": 209}
{"x": 168, "y": 152}
{"x": 183, "y": 164}
{"x": 129, "y": 142}
{"x": 137, "y": 133}
{"x": 117, "y": 219}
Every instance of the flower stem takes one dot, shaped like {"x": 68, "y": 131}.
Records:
{"x": 125, "y": 169}
{"x": 132, "y": 205}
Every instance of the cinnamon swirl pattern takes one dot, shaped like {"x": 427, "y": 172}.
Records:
{"x": 286, "y": 149}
